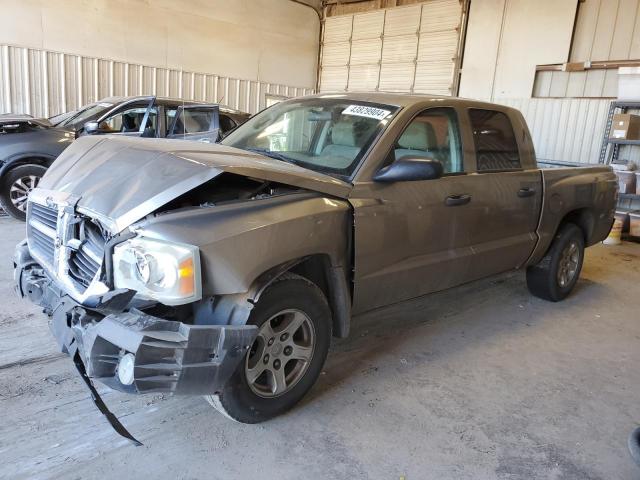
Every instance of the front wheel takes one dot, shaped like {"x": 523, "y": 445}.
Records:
{"x": 15, "y": 188}
{"x": 556, "y": 274}
{"x": 286, "y": 357}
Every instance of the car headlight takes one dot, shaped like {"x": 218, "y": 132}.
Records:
{"x": 158, "y": 270}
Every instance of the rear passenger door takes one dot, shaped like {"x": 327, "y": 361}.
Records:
{"x": 506, "y": 198}
{"x": 195, "y": 122}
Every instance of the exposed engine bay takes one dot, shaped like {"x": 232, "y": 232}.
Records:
{"x": 224, "y": 189}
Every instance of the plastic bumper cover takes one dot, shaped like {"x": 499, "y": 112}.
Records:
{"x": 169, "y": 356}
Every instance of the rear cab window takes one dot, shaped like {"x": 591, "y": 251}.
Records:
{"x": 494, "y": 141}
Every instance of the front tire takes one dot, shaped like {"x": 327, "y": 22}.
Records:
{"x": 15, "y": 188}
{"x": 287, "y": 356}
{"x": 554, "y": 277}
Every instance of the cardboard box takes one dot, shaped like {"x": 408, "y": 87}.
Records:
{"x": 626, "y": 181}
{"x": 625, "y": 126}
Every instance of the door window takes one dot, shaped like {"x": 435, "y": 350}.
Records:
{"x": 433, "y": 134}
{"x": 226, "y": 123}
{"x": 193, "y": 120}
{"x": 130, "y": 120}
{"x": 495, "y": 141}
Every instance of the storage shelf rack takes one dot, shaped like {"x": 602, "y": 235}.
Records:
{"x": 610, "y": 148}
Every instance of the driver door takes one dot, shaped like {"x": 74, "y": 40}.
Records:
{"x": 136, "y": 119}
{"x": 196, "y": 122}
{"x": 413, "y": 237}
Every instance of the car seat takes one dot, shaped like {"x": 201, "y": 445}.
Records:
{"x": 343, "y": 148}
{"x": 129, "y": 124}
{"x": 418, "y": 140}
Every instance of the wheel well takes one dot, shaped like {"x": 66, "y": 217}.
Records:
{"x": 332, "y": 282}
{"x": 584, "y": 219}
{"x": 314, "y": 269}
{"x": 45, "y": 162}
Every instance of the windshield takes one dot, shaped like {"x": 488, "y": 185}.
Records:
{"x": 328, "y": 135}
{"x": 85, "y": 114}
{"x": 61, "y": 117}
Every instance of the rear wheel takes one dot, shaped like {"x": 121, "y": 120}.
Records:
{"x": 286, "y": 357}
{"x": 15, "y": 188}
{"x": 556, "y": 274}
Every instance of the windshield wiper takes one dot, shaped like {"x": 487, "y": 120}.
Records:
{"x": 271, "y": 154}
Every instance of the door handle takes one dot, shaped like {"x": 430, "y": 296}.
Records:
{"x": 526, "y": 192}
{"x": 455, "y": 200}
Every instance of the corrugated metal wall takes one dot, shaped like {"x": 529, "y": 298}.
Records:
{"x": 568, "y": 129}
{"x": 607, "y": 30}
{"x": 45, "y": 83}
{"x": 601, "y": 83}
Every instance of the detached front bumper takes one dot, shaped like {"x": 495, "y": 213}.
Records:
{"x": 169, "y": 356}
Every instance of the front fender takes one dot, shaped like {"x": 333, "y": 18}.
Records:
{"x": 239, "y": 242}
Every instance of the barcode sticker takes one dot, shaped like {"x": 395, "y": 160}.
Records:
{"x": 365, "y": 111}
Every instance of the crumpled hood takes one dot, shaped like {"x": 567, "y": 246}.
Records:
{"x": 121, "y": 179}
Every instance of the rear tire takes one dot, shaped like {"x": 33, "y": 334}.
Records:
{"x": 286, "y": 358}
{"x": 15, "y": 187}
{"x": 554, "y": 277}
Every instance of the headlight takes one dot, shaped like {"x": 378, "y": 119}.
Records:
{"x": 164, "y": 271}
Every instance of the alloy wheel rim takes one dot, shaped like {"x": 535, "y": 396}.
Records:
{"x": 281, "y": 353}
{"x": 568, "y": 264}
{"x": 19, "y": 191}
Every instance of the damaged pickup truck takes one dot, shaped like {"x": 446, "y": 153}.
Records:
{"x": 224, "y": 270}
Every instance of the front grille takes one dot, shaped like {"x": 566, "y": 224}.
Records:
{"x": 85, "y": 262}
{"x": 43, "y": 244}
{"x": 45, "y": 215}
{"x": 41, "y": 231}
{"x": 65, "y": 242}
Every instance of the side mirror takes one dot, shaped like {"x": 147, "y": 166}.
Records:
{"x": 91, "y": 128}
{"x": 410, "y": 169}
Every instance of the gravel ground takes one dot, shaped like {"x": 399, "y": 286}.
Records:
{"x": 480, "y": 382}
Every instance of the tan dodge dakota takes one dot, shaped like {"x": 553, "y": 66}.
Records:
{"x": 224, "y": 270}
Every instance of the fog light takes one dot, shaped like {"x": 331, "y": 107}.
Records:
{"x": 125, "y": 369}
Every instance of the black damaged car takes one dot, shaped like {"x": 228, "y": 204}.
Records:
{"x": 28, "y": 146}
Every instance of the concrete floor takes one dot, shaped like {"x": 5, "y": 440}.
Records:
{"x": 483, "y": 381}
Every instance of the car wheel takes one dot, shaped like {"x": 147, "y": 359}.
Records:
{"x": 15, "y": 188}
{"x": 286, "y": 357}
{"x": 556, "y": 274}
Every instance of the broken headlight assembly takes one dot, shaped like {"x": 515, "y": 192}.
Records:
{"x": 158, "y": 270}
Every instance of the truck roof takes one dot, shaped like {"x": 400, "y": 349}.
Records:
{"x": 401, "y": 99}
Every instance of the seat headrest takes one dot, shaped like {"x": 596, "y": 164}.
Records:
{"x": 194, "y": 124}
{"x": 129, "y": 123}
{"x": 418, "y": 136}
{"x": 342, "y": 134}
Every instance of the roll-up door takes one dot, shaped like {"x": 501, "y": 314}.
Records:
{"x": 403, "y": 49}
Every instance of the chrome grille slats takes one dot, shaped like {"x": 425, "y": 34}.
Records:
{"x": 41, "y": 231}
{"x": 44, "y": 245}
{"x": 85, "y": 262}
{"x": 45, "y": 215}
{"x": 67, "y": 244}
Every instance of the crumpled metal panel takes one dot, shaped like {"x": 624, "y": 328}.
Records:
{"x": 121, "y": 179}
